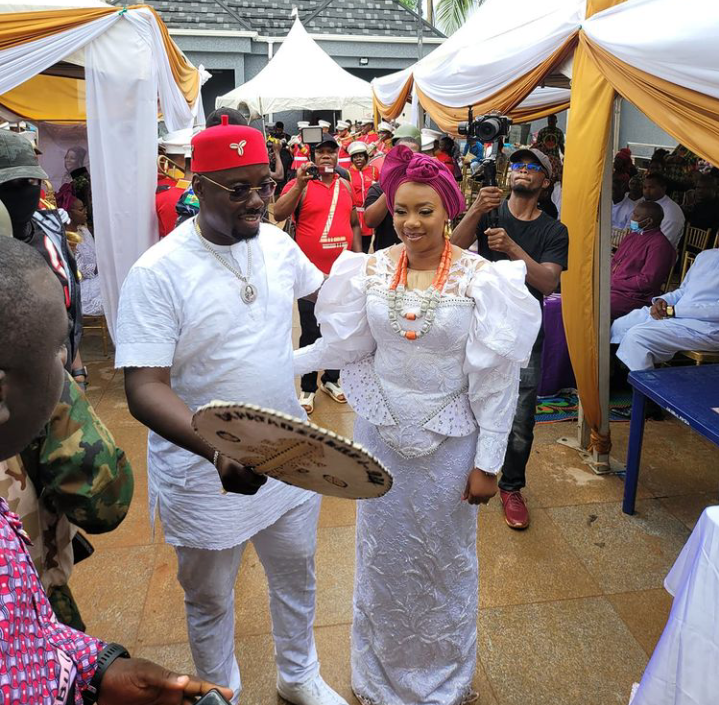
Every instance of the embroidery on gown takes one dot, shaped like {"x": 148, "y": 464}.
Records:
{"x": 425, "y": 382}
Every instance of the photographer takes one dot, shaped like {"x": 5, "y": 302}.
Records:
{"x": 524, "y": 233}
{"x": 326, "y": 223}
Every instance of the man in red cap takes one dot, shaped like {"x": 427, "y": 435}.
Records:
{"x": 207, "y": 314}
{"x": 326, "y": 224}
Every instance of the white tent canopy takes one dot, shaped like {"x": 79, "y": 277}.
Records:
{"x": 488, "y": 51}
{"x": 301, "y": 76}
{"x": 127, "y": 71}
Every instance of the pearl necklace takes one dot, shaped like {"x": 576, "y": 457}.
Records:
{"x": 429, "y": 302}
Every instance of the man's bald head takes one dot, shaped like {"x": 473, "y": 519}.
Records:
{"x": 34, "y": 323}
{"x": 649, "y": 214}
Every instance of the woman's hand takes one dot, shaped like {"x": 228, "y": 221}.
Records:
{"x": 480, "y": 487}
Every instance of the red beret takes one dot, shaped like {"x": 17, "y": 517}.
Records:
{"x": 227, "y": 147}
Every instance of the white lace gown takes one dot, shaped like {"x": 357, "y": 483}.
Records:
{"x": 431, "y": 410}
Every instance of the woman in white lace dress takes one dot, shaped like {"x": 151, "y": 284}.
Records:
{"x": 430, "y": 340}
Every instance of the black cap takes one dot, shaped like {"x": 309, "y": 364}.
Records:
{"x": 327, "y": 139}
{"x": 539, "y": 157}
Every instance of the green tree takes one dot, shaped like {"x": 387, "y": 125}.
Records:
{"x": 451, "y": 14}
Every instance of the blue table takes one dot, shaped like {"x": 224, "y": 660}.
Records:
{"x": 689, "y": 393}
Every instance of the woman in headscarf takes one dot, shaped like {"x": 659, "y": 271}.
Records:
{"x": 430, "y": 339}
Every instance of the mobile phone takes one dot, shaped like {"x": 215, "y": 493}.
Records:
{"x": 214, "y": 697}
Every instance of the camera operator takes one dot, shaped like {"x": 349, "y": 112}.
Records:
{"x": 524, "y": 233}
{"x": 320, "y": 202}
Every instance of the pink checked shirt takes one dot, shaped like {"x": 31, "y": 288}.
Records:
{"x": 41, "y": 658}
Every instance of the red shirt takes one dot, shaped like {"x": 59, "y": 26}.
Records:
{"x": 301, "y": 155}
{"x": 370, "y": 138}
{"x": 314, "y": 209}
{"x": 361, "y": 181}
{"x": 344, "y": 159}
{"x": 165, "y": 201}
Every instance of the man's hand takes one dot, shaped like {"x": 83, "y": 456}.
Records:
{"x": 489, "y": 198}
{"x": 238, "y": 478}
{"x": 499, "y": 241}
{"x": 140, "y": 682}
{"x": 659, "y": 309}
{"x": 303, "y": 178}
{"x": 480, "y": 487}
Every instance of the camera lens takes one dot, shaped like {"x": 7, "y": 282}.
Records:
{"x": 489, "y": 129}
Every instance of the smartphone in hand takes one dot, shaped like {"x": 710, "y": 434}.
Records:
{"x": 214, "y": 697}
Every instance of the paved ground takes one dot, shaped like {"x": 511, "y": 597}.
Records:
{"x": 570, "y": 609}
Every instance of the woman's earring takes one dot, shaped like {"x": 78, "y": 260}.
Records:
{"x": 448, "y": 230}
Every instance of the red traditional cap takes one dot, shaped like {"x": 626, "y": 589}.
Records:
{"x": 227, "y": 147}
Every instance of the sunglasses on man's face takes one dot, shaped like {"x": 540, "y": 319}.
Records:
{"x": 529, "y": 167}
{"x": 241, "y": 192}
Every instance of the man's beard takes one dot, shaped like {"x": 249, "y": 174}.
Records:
{"x": 238, "y": 235}
{"x": 526, "y": 190}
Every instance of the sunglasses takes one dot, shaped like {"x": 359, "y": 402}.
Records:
{"x": 516, "y": 166}
{"x": 242, "y": 192}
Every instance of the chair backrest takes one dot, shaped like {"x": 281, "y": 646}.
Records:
{"x": 618, "y": 234}
{"x": 696, "y": 238}
{"x": 689, "y": 258}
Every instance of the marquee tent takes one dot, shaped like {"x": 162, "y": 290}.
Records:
{"x": 300, "y": 76}
{"x": 664, "y": 61}
{"x": 108, "y": 66}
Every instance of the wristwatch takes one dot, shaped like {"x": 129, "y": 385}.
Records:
{"x": 105, "y": 659}
{"x": 670, "y": 311}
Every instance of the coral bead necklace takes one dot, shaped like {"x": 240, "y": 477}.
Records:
{"x": 430, "y": 300}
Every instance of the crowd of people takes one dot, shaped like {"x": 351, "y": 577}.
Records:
{"x": 421, "y": 311}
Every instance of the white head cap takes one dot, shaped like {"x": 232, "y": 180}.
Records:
{"x": 343, "y": 125}
{"x": 427, "y": 142}
{"x": 385, "y": 127}
{"x": 303, "y": 123}
{"x": 367, "y": 120}
{"x": 356, "y": 148}
{"x": 324, "y": 123}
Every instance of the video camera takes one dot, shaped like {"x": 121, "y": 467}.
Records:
{"x": 487, "y": 128}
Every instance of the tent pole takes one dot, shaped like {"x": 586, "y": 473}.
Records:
{"x": 617, "y": 123}
{"x": 600, "y": 463}
{"x": 420, "y": 31}
{"x": 270, "y": 54}
{"x": 603, "y": 293}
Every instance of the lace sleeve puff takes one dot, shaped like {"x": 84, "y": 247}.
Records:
{"x": 504, "y": 328}
{"x": 342, "y": 317}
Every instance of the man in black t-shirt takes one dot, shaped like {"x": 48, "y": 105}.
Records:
{"x": 541, "y": 242}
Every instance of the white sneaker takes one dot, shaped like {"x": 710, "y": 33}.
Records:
{"x": 313, "y": 692}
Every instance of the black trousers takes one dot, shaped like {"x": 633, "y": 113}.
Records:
{"x": 310, "y": 331}
{"x": 521, "y": 436}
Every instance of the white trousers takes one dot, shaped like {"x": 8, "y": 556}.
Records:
{"x": 644, "y": 341}
{"x": 286, "y": 550}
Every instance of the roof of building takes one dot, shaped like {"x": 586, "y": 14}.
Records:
{"x": 379, "y": 18}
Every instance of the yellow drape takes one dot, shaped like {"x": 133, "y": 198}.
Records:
{"x": 48, "y": 98}
{"x": 691, "y": 118}
{"x": 505, "y": 100}
{"x": 587, "y": 133}
{"x": 390, "y": 112}
{"x": 18, "y": 28}
{"x": 22, "y": 27}
{"x": 520, "y": 115}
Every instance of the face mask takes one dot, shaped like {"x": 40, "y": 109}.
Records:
{"x": 634, "y": 226}
{"x": 21, "y": 203}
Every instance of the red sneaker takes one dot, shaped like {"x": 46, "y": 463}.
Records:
{"x": 516, "y": 513}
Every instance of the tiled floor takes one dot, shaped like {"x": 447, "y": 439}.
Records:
{"x": 570, "y": 609}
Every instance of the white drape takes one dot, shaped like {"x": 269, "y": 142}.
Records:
{"x": 121, "y": 95}
{"x": 489, "y": 51}
{"x": 20, "y": 63}
{"x": 678, "y": 41}
{"x": 175, "y": 111}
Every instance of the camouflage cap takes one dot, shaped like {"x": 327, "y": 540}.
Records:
{"x": 17, "y": 158}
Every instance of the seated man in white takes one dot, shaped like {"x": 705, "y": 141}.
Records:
{"x": 684, "y": 319}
